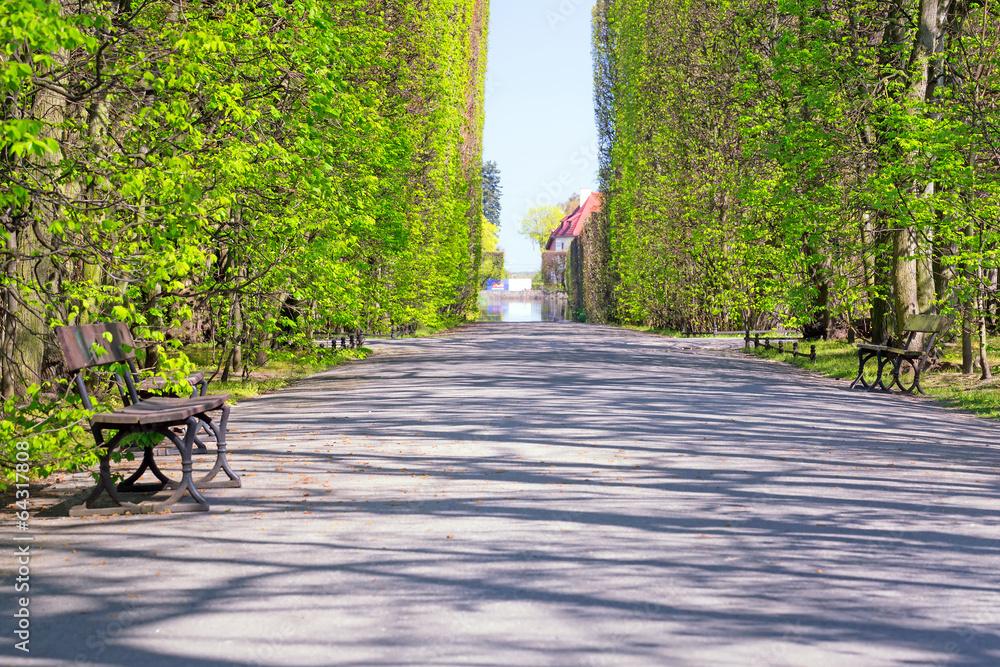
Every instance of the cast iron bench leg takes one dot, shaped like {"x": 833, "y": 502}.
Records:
{"x": 860, "y": 379}
{"x": 197, "y": 390}
{"x": 864, "y": 356}
{"x": 879, "y": 384}
{"x": 148, "y": 463}
{"x": 185, "y": 485}
{"x": 104, "y": 481}
{"x": 897, "y": 370}
{"x": 220, "y": 460}
{"x": 187, "y": 480}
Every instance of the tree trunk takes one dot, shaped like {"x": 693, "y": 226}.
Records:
{"x": 10, "y": 311}
{"x": 967, "y": 361}
{"x": 238, "y": 331}
{"x": 876, "y": 273}
{"x": 904, "y": 277}
{"x": 943, "y": 273}
{"x": 29, "y": 346}
{"x": 238, "y": 357}
{"x": 880, "y": 307}
{"x": 33, "y": 294}
{"x": 227, "y": 367}
{"x": 926, "y": 292}
{"x": 924, "y": 49}
{"x": 905, "y": 270}
{"x": 153, "y": 357}
{"x": 984, "y": 362}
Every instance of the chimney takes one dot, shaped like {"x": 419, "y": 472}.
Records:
{"x": 584, "y": 196}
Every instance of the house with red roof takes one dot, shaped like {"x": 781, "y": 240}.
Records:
{"x": 572, "y": 225}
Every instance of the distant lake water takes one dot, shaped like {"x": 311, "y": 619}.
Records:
{"x": 521, "y": 307}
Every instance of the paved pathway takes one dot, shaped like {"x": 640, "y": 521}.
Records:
{"x": 551, "y": 494}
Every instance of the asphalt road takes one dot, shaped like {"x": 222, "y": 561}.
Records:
{"x": 548, "y": 494}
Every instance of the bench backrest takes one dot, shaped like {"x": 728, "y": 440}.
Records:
{"x": 925, "y": 323}
{"x": 78, "y": 344}
{"x": 917, "y": 325}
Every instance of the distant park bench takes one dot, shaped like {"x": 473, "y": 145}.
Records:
{"x": 400, "y": 330}
{"x": 767, "y": 337}
{"x": 780, "y": 345}
{"x": 395, "y": 331}
{"x": 143, "y": 414}
{"x": 694, "y": 333}
{"x": 907, "y": 364}
{"x": 356, "y": 339}
{"x": 745, "y": 333}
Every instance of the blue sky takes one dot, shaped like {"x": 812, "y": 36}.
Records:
{"x": 539, "y": 110}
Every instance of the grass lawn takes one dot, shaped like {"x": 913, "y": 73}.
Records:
{"x": 281, "y": 369}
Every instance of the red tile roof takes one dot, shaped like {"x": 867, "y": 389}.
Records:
{"x": 572, "y": 224}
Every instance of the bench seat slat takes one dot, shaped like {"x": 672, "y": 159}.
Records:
{"x": 905, "y": 353}
{"x": 160, "y": 410}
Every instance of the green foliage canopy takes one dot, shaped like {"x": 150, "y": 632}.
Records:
{"x": 231, "y": 172}
{"x": 539, "y": 222}
{"x": 802, "y": 162}
{"x": 491, "y": 192}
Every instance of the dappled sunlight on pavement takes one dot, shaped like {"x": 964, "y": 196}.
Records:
{"x": 554, "y": 494}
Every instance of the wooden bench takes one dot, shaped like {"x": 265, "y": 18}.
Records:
{"x": 793, "y": 350}
{"x": 715, "y": 333}
{"x": 357, "y": 339}
{"x": 401, "y": 330}
{"x": 907, "y": 364}
{"x": 150, "y": 415}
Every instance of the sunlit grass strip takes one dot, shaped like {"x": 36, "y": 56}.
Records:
{"x": 837, "y": 359}
{"x": 279, "y": 372}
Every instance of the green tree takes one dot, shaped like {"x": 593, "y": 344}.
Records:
{"x": 491, "y": 192}
{"x": 802, "y": 162}
{"x": 491, "y": 236}
{"x": 251, "y": 172}
{"x": 539, "y": 222}
{"x": 570, "y": 204}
